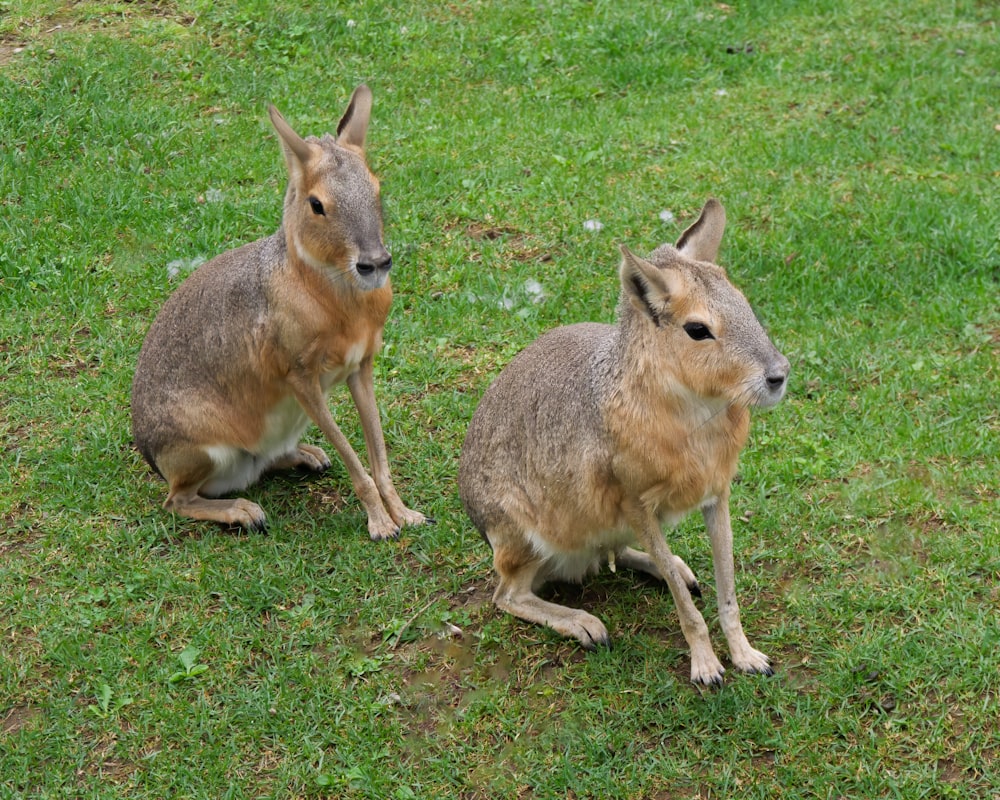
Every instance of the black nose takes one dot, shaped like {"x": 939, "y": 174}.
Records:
{"x": 368, "y": 267}
{"x": 777, "y": 374}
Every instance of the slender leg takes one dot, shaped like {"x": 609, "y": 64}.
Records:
{"x": 310, "y": 396}
{"x": 362, "y": 387}
{"x": 720, "y": 532}
{"x": 187, "y": 469}
{"x": 237, "y": 511}
{"x": 518, "y": 569}
{"x": 705, "y": 666}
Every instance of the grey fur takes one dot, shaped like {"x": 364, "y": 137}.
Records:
{"x": 596, "y": 435}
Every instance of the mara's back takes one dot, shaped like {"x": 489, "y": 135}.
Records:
{"x": 215, "y": 318}
{"x": 544, "y": 405}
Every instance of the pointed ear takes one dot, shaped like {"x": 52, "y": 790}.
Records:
{"x": 297, "y": 150}
{"x": 649, "y": 289}
{"x": 701, "y": 241}
{"x": 354, "y": 124}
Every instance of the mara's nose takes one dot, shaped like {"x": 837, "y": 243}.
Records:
{"x": 382, "y": 263}
{"x": 777, "y": 373}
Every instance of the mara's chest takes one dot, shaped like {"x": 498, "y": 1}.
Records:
{"x": 331, "y": 344}
{"x": 679, "y": 462}
{"x": 340, "y": 362}
{"x": 325, "y": 328}
{"x": 285, "y": 419}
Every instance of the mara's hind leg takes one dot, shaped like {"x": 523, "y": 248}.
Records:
{"x": 304, "y": 456}
{"x": 641, "y": 562}
{"x": 518, "y": 567}
{"x": 186, "y": 472}
{"x": 237, "y": 511}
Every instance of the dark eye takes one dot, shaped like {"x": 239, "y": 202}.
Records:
{"x": 697, "y": 331}
{"x": 316, "y": 206}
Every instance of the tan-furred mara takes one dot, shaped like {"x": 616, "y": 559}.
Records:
{"x": 595, "y": 436}
{"x": 242, "y": 356}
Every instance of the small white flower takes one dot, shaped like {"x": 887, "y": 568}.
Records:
{"x": 667, "y": 216}
{"x": 534, "y": 290}
{"x": 592, "y": 225}
{"x": 179, "y": 265}
{"x": 721, "y": 93}
{"x": 351, "y": 23}
{"x": 213, "y": 196}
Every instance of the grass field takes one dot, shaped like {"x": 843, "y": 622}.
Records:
{"x": 856, "y": 147}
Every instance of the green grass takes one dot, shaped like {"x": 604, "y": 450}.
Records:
{"x": 855, "y": 146}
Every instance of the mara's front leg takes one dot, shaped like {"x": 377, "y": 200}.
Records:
{"x": 310, "y": 396}
{"x": 705, "y": 666}
{"x": 720, "y": 532}
{"x": 362, "y": 387}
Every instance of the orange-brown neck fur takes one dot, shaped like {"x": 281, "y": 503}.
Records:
{"x": 690, "y": 444}
{"x": 332, "y": 318}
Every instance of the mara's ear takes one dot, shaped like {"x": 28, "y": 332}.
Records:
{"x": 701, "y": 241}
{"x": 649, "y": 289}
{"x": 354, "y": 124}
{"x": 297, "y": 150}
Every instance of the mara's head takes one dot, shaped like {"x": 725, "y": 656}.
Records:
{"x": 333, "y": 209}
{"x": 696, "y": 329}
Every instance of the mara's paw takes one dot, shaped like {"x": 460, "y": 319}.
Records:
{"x": 381, "y": 526}
{"x": 247, "y": 515}
{"x": 688, "y": 577}
{"x": 312, "y": 458}
{"x": 304, "y": 456}
{"x": 753, "y": 662}
{"x": 407, "y": 516}
{"x": 706, "y": 669}
{"x": 588, "y": 630}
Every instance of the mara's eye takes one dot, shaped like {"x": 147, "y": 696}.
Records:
{"x": 316, "y": 206}
{"x": 697, "y": 331}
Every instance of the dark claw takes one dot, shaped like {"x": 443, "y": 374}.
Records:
{"x": 767, "y": 672}
{"x": 258, "y": 526}
{"x": 430, "y": 520}
{"x": 713, "y": 683}
{"x": 695, "y": 589}
{"x": 593, "y": 644}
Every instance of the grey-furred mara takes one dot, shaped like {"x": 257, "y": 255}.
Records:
{"x": 242, "y": 356}
{"x": 595, "y": 436}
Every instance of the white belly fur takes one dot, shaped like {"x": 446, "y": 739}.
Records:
{"x": 587, "y": 559}
{"x": 574, "y": 565}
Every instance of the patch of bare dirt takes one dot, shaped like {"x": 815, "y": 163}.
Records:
{"x": 18, "y": 718}
{"x": 39, "y": 35}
